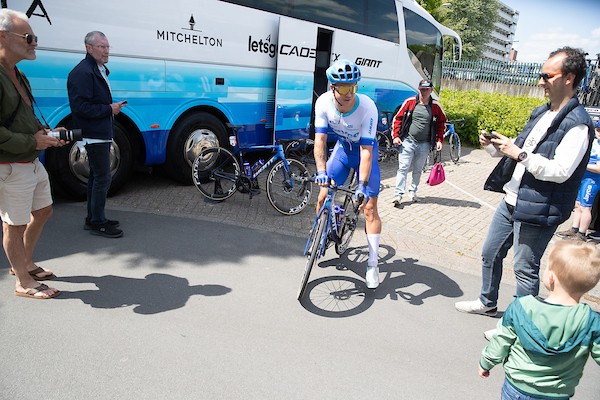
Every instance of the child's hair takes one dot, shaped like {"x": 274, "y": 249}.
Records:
{"x": 576, "y": 265}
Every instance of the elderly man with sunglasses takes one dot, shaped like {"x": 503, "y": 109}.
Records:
{"x": 25, "y": 198}
{"x": 540, "y": 173}
{"x": 353, "y": 119}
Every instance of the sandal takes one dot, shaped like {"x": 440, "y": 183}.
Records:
{"x": 31, "y": 293}
{"x": 34, "y": 273}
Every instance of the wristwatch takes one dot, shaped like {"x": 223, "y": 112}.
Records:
{"x": 522, "y": 156}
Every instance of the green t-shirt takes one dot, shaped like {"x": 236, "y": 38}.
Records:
{"x": 17, "y": 142}
{"x": 420, "y": 126}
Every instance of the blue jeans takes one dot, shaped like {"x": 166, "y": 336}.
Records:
{"x": 98, "y": 181}
{"x": 529, "y": 242}
{"x": 510, "y": 393}
{"x": 415, "y": 154}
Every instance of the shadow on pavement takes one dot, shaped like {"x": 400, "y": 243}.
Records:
{"x": 340, "y": 296}
{"x": 153, "y": 294}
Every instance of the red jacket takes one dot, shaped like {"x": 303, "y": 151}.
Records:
{"x": 403, "y": 119}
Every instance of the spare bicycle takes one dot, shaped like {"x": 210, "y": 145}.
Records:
{"x": 454, "y": 145}
{"x": 385, "y": 142}
{"x": 217, "y": 173}
{"x": 335, "y": 224}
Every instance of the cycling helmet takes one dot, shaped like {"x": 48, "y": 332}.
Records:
{"x": 343, "y": 71}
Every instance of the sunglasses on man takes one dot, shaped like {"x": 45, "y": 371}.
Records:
{"x": 546, "y": 76}
{"x": 344, "y": 90}
{"x": 29, "y": 38}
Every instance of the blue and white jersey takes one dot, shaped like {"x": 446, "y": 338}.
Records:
{"x": 594, "y": 159}
{"x": 358, "y": 126}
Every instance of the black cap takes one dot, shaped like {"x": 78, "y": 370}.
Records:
{"x": 425, "y": 83}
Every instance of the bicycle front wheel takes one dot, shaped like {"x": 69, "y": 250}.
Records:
{"x": 455, "y": 148}
{"x": 348, "y": 226}
{"x": 288, "y": 194}
{"x": 215, "y": 173}
{"x": 313, "y": 248}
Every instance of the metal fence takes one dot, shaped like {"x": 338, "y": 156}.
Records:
{"x": 512, "y": 73}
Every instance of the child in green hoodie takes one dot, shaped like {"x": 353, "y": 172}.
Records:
{"x": 545, "y": 343}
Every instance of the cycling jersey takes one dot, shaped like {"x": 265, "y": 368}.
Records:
{"x": 352, "y": 129}
{"x": 589, "y": 184}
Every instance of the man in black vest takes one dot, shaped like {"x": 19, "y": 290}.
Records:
{"x": 539, "y": 173}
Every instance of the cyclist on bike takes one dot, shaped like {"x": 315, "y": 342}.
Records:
{"x": 353, "y": 119}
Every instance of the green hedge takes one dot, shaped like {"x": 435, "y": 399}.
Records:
{"x": 502, "y": 113}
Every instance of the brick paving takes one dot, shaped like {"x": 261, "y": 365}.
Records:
{"x": 446, "y": 227}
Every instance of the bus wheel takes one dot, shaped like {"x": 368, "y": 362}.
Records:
{"x": 69, "y": 170}
{"x": 187, "y": 139}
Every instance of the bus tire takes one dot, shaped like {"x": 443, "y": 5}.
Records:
{"x": 69, "y": 170}
{"x": 187, "y": 139}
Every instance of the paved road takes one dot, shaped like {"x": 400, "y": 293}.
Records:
{"x": 185, "y": 306}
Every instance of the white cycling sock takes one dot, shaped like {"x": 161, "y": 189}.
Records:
{"x": 373, "y": 241}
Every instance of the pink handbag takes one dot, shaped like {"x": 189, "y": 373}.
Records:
{"x": 437, "y": 175}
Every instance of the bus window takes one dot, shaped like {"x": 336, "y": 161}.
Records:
{"x": 424, "y": 45}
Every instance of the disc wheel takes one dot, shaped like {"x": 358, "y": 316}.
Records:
{"x": 313, "y": 249}
{"x": 348, "y": 226}
{"x": 215, "y": 173}
{"x": 455, "y": 148}
{"x": 287, "y": 194}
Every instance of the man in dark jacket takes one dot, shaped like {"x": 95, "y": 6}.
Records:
{"x": 540, "y": 173}
{"x": 418, "y": 127}
{"x": 93, "y": 111}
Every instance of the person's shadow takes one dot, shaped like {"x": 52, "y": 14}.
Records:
{"x": 150, "y": 295}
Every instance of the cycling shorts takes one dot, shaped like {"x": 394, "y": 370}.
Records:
{"x": 587, "y": 192}
{"x": 344, "y": 158}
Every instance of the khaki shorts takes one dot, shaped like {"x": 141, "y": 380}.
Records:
{"x": 24, "y": 187}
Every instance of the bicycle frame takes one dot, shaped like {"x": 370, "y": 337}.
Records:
{"x": 279, "y": 155}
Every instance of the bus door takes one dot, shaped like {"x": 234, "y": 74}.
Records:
{"x": 296, "y": 59}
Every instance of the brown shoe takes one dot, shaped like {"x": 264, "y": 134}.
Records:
{"x": 566, "y": 234}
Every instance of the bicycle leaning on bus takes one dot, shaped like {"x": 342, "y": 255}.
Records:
{"x": 217, "y": 173}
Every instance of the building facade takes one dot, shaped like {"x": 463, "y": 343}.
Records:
{"x": 503, "y": 34}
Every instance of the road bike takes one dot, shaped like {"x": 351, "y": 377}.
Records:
{"x": 453, "y": 138}
{"x": 454, "y": 144}
{"x": 335, "y": 224}
{"x": 385, "y": 142}
{"x": 217, "y": 173}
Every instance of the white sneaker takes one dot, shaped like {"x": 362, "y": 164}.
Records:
{"x": 397, "y": 200}
{"x": 372, "y": 277}
{"x": 490, "y": 334}
{"x": 412, "y": 197}
{"x": 475, "y": 307}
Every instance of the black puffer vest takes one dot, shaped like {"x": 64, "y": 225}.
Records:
{"x": 542, "y": 202}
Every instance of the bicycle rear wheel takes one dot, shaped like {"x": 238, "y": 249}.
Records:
{"x": 384, "y": 146}
{"x": 348, "y": 226}
{"x": 215, "y": 173}
{"x": 455, "y": 148}
{"x": 313, "y": 248}
{"x": 287, "y": 194}
{"x": 432, "y": 157}
{"x": 303, "y": 151}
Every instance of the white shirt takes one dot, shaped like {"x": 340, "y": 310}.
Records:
{"x": 569, "y": 153}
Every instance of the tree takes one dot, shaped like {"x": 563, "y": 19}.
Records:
{"x": 473, "y": 20}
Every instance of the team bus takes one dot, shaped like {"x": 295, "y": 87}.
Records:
{"x": 191, "y": 69}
